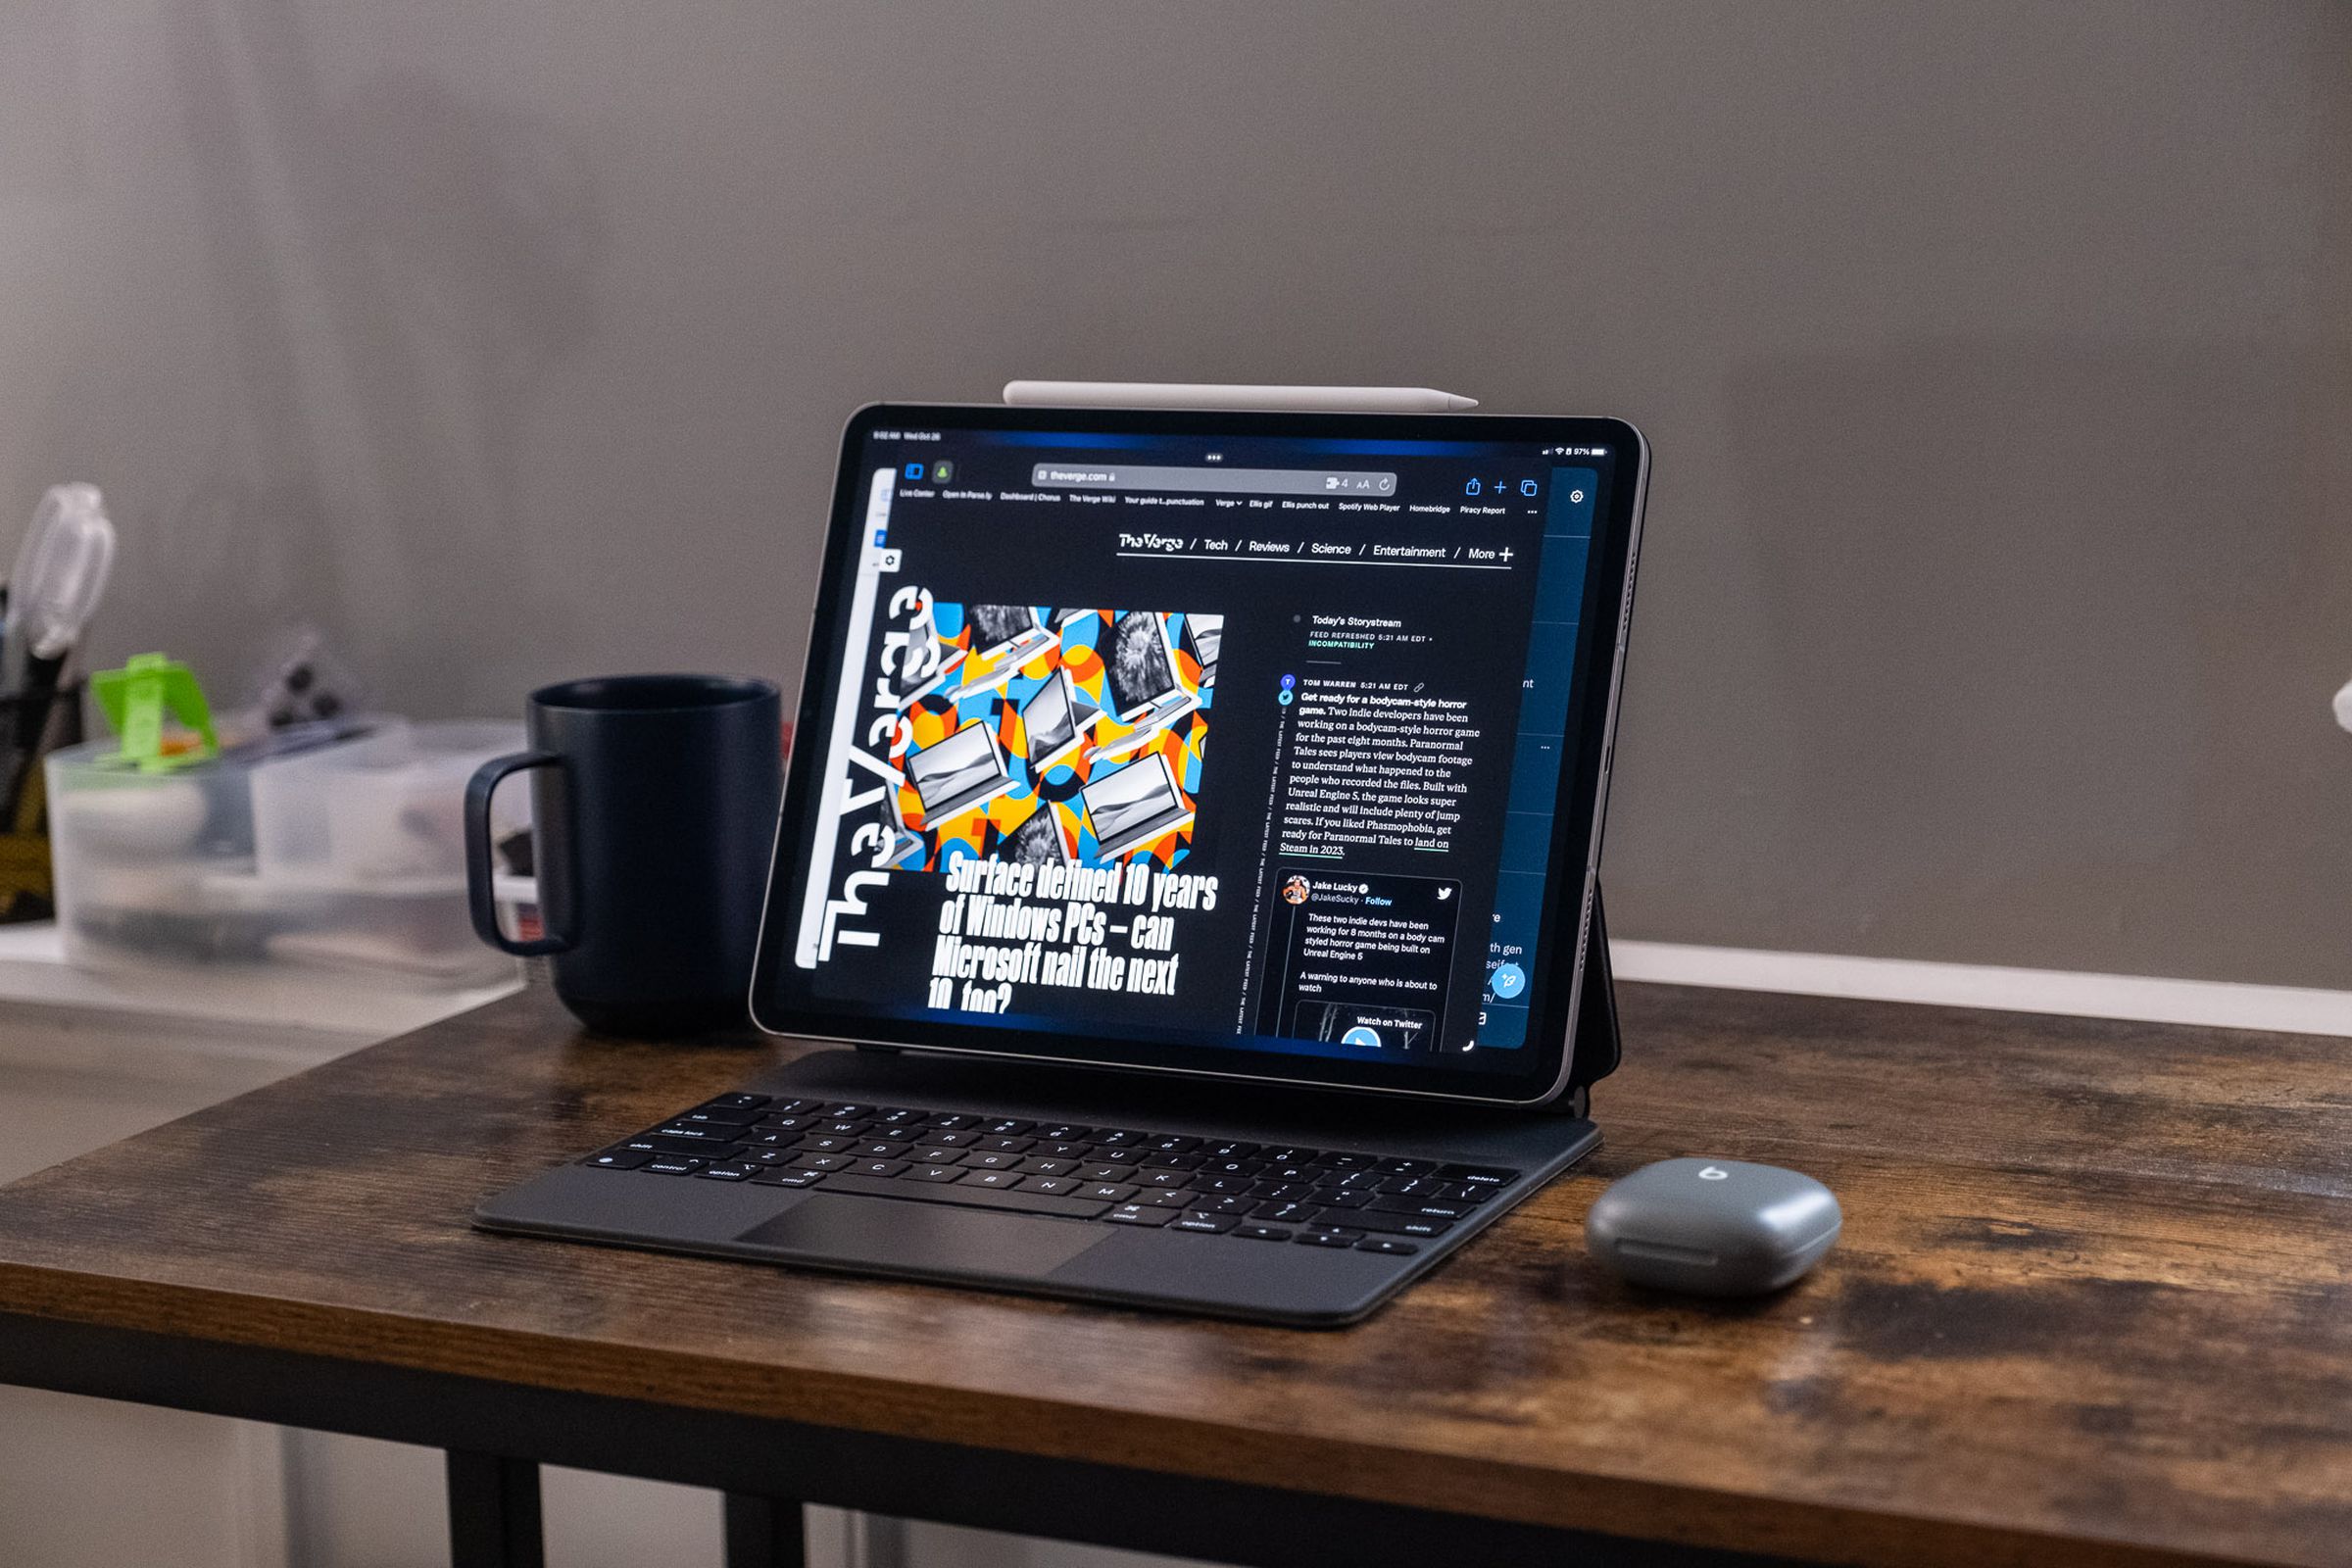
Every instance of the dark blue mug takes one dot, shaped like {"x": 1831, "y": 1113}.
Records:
{"x": 653, "y": 815}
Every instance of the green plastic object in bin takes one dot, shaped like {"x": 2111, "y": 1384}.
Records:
{"x": 134, "y": 700}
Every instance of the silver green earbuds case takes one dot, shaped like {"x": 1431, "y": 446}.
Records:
{"x": 1713, "y": 1227}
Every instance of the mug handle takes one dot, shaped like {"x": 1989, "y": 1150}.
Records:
{"x": 556, "y": 835}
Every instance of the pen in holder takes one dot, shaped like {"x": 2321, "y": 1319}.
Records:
{"x": 31, "y": 726}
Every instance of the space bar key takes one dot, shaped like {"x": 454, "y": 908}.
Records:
{"x": 1018, "y": 1201}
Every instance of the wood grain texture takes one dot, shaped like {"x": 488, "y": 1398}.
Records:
{"x": 2092, "y": 1304}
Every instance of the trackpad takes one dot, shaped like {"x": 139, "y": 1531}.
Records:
{"x": 922, "y": 1237}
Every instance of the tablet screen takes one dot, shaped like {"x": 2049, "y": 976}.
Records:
{"x": 1249, "y": 744}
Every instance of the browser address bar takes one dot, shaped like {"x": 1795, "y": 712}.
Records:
{"x": 1253, "y": 481}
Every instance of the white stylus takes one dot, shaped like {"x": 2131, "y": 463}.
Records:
{"x": 1209, "y": 395}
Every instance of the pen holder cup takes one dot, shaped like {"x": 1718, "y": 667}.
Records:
{"x": 31, "y": 728}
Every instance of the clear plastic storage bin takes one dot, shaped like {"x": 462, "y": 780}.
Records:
{"x": 345, "y": 858}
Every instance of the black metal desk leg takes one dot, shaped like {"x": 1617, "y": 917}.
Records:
{"x": 493, "y": 1512}
{"x": 763, "y": 1532}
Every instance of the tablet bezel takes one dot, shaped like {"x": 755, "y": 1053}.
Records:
{"x": 1551, "y": 1061}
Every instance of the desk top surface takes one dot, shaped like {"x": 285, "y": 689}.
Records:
{"x": 2094, "y": 1298}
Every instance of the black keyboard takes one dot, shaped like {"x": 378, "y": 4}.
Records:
{"x": 1114, "y": 1175}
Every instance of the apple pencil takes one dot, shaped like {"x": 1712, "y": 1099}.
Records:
{"x": 1287, "y": 399}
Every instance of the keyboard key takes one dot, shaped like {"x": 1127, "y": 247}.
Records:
{"x": 1289, "y": 1170}
{"x": 1230, "y": 1167}
{"x": 991, "y": 1178}
{"x": 1206, "y": 1224}
{"x": 992, "y": 1162}
{"x": 1280, "y": 1192}
{"x": 880, "y": 1168}
{"x": 1407, "y": 1167}
{"x": 1051, "y": 1186}
{"x": 1262, "y": 1233}
{"x": 1063, "y": 1151}
{"x": 1226, "y": 1205}
{"x": 821, "y": 1162}
{"x": 928, "y": 1155}
{"x": 1186, "y": 1162}
{"x": 1286, "y": 1214}
{"x": 787, "y": 1178}
{"x": 1338, "y": 1198}
{"x": 1007, "y": 1126}
{"x": 1488, "y": 1177}
{"x": 1229, "y": 1150}
{"x": 934, "y": 1174}
{"x": 901, "y": 1117}
{"x": 1425, "y": 1207}
{"x": 1167, "y": 1178}
{"x": 1461, "y": 1192}
{"x": 727, "y": 1173}
{"x": 850, "y": 1108}
{"x": 828, "y": 1144}
{"x": 952, "y": 1121}
{"x": 618, "y": 1159}
{"x": 721, "y": 1115}
{"x": 1398, "y": 1224}
{"x": 672, "y": 1165}
{"x": 1226, "y": 1184}
{"x": 792, "y": 1108}
{"x": 1108, "y": 1191}
{"x": 1047, "y": 1167}
{"x": 771, "y": 1140}
{"x": 1136, "y": 1214}
{"x": 787, "y": 1124}
{"x": 735, "y": 1101}
{"x": 1325, "y": 1238}
{"x": 881, "y": 1150}
{"x": 1290, "y": 1154}
{"x": 1007, "y": 1145}
{"x": 1388, "y": 1245}
{"x": 1118, "y": 1137}
{"x": 1171, "y": 1144}
{"x": 1365, "y": 1180}
{"x": 1407, "y": 1186}
{"x": 695, "y": 1132}
{"x": 702, "y": 1148}
{"x": 845, "y": 1126}
{"x": 1063, "y": 1132}
{"x": 1343, "y": 1161}
{"x": 1163, "y": 1198}
{"x": 1325, "y": 1228}
{"x": 767, "y": 1157}
{"x": 1107, "y": 1171}
{"x": 966, "y": 1195}
{"x": 951, "y": 1137}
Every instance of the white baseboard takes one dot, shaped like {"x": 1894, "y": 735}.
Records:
{"x": 2289, "y": 1010}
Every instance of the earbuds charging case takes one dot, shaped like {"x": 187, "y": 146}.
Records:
{"x": 1713, "y": 1227}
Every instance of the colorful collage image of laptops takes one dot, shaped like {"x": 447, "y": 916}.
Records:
{"x": 1051, "y": 735}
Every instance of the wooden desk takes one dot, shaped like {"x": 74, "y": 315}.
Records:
{"x": 2093, "y": 1305}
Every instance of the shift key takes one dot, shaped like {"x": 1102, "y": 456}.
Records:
{"x": 1371, "y": 1219}
{"x": 661, "y": 1144}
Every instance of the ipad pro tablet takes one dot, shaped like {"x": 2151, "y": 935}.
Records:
{"x": 1262, "y": 747}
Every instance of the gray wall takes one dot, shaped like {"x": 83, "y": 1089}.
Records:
{"x": 1996, "y": 357}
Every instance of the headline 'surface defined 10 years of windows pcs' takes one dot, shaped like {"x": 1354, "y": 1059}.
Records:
{"x": 1202, "y": 814}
